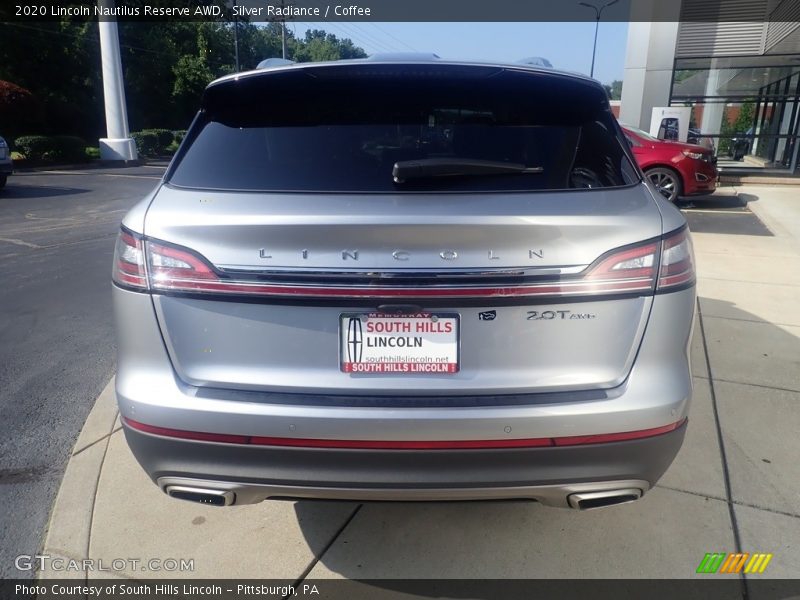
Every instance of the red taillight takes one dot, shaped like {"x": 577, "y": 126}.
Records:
{"x": 147, "y": 265}
{"x": 174, "y": 269}
{"x": 160, "y": 267}
{"x": 677, "y": 261}
{"x": 129, "y": 270}
{"x": 634, "y": 268}
{"x": 637, "y": 265}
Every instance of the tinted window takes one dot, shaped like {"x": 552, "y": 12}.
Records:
{"x": 342, "y": 129}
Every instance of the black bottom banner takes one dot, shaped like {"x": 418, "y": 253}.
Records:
{"x": 710, "y": 588}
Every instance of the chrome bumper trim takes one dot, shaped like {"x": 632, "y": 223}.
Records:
{"x": 551, "y": 495}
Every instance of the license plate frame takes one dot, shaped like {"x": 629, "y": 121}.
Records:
{"x": 431, "y": 357}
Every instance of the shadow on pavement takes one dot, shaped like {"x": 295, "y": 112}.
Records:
{"x": 14, "y": 190}
{"x": 718, "y": 200}
{"x": 723, "y": 213}
{"x": 665, "y": 535}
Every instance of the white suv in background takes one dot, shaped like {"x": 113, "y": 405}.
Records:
{"x": 6, "y": 164}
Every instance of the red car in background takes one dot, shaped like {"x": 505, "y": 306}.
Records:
{"x": 675, "y": 168}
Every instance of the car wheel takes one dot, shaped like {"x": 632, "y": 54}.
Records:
{"x": 3, "y": 179}
{"x": 667, "y": 182}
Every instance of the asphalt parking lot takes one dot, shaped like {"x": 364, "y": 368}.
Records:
{"x": 733, "y": 487}
{"x": 57, "y": 231}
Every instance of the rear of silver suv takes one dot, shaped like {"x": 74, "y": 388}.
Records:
{"x": 404, "y": 281}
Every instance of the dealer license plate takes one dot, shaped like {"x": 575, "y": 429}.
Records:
{"x": 412, "y": 344}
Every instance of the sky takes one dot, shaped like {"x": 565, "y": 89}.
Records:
{"x": 567, "y": 46}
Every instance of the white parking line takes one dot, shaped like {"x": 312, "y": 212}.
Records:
{"x": 17, "y": 242}
{"x": 104, "y": 174}
{"x": 133, "y": 176}
{"x": 58, "y": 172}
{"x": 718, "y": 212}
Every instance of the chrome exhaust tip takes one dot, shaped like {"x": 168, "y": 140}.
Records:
{"x": 592, "y": 500}
{"x": 200, "y": 495}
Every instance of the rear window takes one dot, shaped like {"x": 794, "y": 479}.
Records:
{"x": 346, "y": 128}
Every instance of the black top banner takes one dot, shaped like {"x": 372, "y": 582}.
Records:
{"x": 699, "y": 11}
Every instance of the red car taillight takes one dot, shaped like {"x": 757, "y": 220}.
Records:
{"x": 173, "y": 269}
{"x": 150, "y": 265}
{"x": 677, "y": 261}
{"x": 638, "y": 264}
{"x": 129, "y": 270}
{"x": 631, "y": 268}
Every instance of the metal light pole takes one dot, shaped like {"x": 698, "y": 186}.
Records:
{"x": 598, "y": 12}
{"x": 236, "y": 36}
{"x": 118, "y": 145}
{"x": 283, "y": 32}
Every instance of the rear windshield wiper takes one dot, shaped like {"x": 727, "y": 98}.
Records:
{"x": 453, "y": 167}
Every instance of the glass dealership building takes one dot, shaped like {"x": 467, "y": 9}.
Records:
{"x": 740, "y": 75}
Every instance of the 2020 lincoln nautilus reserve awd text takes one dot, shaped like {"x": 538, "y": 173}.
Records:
{"x": 410, "y": 279}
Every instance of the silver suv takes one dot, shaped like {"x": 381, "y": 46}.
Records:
{"x": 416, "y": 280}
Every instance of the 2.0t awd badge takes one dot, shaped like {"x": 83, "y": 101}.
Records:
{"x": 549, "y": 315}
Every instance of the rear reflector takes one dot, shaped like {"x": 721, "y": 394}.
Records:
{"x": 579, "y": 440}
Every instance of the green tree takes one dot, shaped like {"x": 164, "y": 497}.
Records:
{"x": 19, "y": 111}
{"x": 730, "y": 129}
{"x": 166, "y": 65}
{"x": 744, "y": 120}
{"x": 320, "y": 45}
{"x": 192, "y": 75}
{"x": 259, "y": 42}
{"x": 193, "y": 72}
{"x": 58, "y": 61}
{"x": 726, "y": 130}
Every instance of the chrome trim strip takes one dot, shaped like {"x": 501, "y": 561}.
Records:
{"x": 551, "y": 495}
{"x": 399, "y": 273}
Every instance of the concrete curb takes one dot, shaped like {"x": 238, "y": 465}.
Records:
{"x": 749, "y": 179}
{"x": 69, "y": 529}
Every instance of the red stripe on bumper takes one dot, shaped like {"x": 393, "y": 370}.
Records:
{"x": 578, "y": 440}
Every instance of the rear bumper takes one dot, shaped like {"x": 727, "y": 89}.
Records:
{"x": 548, "y": 475}
{"x": 656, "y": 393}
